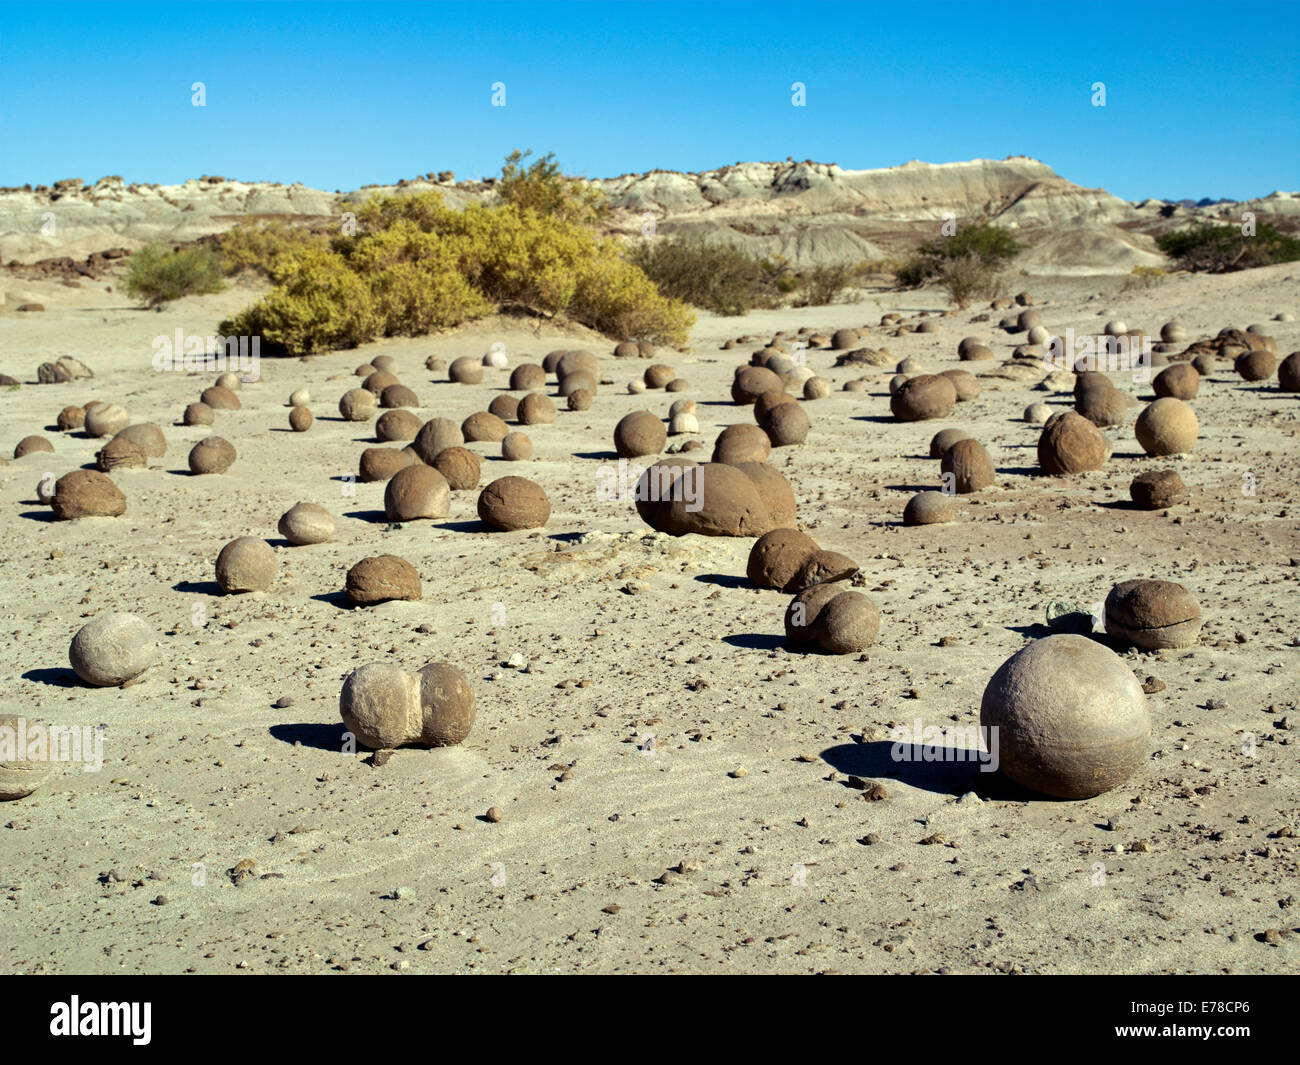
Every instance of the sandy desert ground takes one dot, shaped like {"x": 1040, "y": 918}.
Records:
{"x": 611, "y": 857}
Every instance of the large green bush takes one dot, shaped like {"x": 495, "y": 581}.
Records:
{"x": 982, "y": 243}
{"x": 415, "y": 265}
{"x": 717, "y": 277}
{"x": 156, "y": 274}
{"x": 1222, "y": 248}
{"x": 270, "y": 247}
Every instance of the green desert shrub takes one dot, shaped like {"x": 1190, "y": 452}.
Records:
{"x": 823, "y": 284}
{"x": 982, "y": 242}
{"x": 414, "y": 266}
{"x": 717, "y": 277}
{"x": 270, "y": 247}
{"x": 156, "y": 274}
{"x": 1219, "y": 249}
{"x": 969, "y": 277}
{"x": 540, "y": 186}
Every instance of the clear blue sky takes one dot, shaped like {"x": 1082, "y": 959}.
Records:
{"x": 1202, "y": 98}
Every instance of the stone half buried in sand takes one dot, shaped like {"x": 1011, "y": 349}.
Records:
{"x": 714, "y": 499}
{"x": 87, "y": 494}
{"x": 777, "y": 556}
{"x": 1071, "y": 719}
{"x": 1153, "y": 615}
{"x": 385, "y": 707}
{"x": 20, "y": 773}
{"x": 1070, "y": 444}
{"x": 382, "y": 578}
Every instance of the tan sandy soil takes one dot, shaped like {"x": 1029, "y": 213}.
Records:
{"x": 359, "y": 867}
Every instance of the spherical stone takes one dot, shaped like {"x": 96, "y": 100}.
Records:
{"x": 577, "y": 380}
{"x": 22, "y": 777}
{"x": 639, "y": 433}
{"x": 780, "y": 365}
{"x": 212, "y": 455}
{"x": 509, "y": 504}
{"x": 966, "y": 384}
{"x": 105, "y": 419}
{"x": 1089, "y": 381}
{"x": 1069, "y": 444}
{"x": 977, "y": 353}
{"x": 821, "y": 567}
{"x": 774, "y": 491}
{"x": 658, "y": 375}
{"x": 924, "y": 397}
{"x": 380, "y": 463}
{"x": 121, "y": 454}
{"x": 574, "y": 361}
{"x": 928, "y": 327}
{"x": 358, "y": 405}
{"x": 460, "y": 466}
{"x": 677, "y": 384}
{"x": 856, "y": 385}
{"x": 30, "y": 445}
{"x": 910, "y": 366}
{"x": 433, "y": 364}
{"x": 483, "y": 426}
{"x": 1037, "y": 413}
{"x": 1181, "y": 381}
{"x": 552, "y": 359}
{"x": 713, "y": 499}
{"x": 777, "y": 556}
{"x": 628, "y": 349}
{"x": 1024, "y": 299}
{"x": 970, "y": 342}
{"x": 1167, "y": 427}
{"x": 1103, "y": 406}
{"x": 579, "y": 399}
{"x": 930, "y": 508}
{"x": 845, "y": 339}
{"x": 802, "y": 612}
{"x": 1256, "y": 365}
{"x": 742, "y": 443}
{"x": 944, "y": 439}
{"x": 1258, "y": 342}
{"x": 1038, "y": 335}
{"x": 1288, "y": 373}
{"x": 970, "y": 466}
{"x": 382, "y": 578}
{"x": 306, "y": 523}
{"x": 45, "y": 490}
{"x": 384, "y": 362}
{"x": 299, "y": 398}
{"x": 435, "y": 436}
{"x": 849, "y": 623}
{"x": 1027, "y": 320}
{"x": 1173, "y": 332}
{"x": 113, "y": 649}
{"x": 1152, "y": 615}
{"x": 816, "y": 388}
{"x": 635, "y": 388}
{"x": 198, "y": 414}
{"x": 517, "y": 447}
{"x": 527, "y": 376}
{"x": 496, "y": 359}
{"x": 246, "y": 565}
{"x": 71, "y": 418}
{"x": 505, "y": 407}
{"x": 396, "y": 425}
{"x": 395, "y": 396}
{"x": 785, "y": 424}
{"x": 536, "y": 408}
{"x": 682, "y": 406}
{"x": 751, "y": 382}
{"x": 1204, "y": 364}
{"x": 1157, "y": 489}
{"x": 365, "y": 369}
{"x": 646, "y": 349}
{"x": 1071, "y": 718}
{"x": 765, "y": 403}
{"x": 1116, "y": 328}
{"x": 417, "y": 492}
{"x": 300, "y": 419}
{"x": 86, "y": 494}
{"x": 656, "y": 487}
{"x": 466, "y": 371}
{"x": 229, "y": 381}
{"x": 683, "y": 423}
{"x": 219, "y": 398}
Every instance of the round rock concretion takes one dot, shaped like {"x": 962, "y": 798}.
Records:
{"x": 113, "y": 649}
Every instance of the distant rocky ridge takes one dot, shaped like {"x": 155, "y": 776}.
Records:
{"x": 812, "y": 213}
